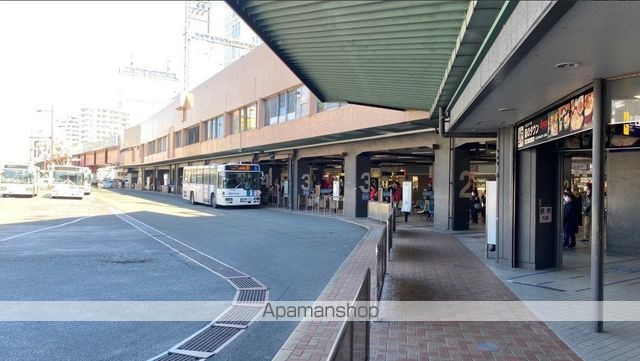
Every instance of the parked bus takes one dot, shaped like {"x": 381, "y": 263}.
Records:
{"x": 222, "y": 184}
{"x": 87, "y": 180}
{"x": 19, "y": 180}
{"x": 68, "y": 182}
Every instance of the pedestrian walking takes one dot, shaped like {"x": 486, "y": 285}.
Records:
{"x": 570, "y": 220}
{"x": 586, "y": 213}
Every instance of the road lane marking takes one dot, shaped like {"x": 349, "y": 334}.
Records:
{"x": 44, "y": 229}
{"x": 177, "y": 348}
{"x": 164, "y": 243}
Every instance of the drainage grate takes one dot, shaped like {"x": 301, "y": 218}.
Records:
{"x": 224, "y": 271}
{"x": 239, "y": 315}
{"x": 229, "y": 272}
{"x": 176, "y": 357}
{"x": 245, "y": 282}
{"x": 252, "y": 296}
{"x": 210, "y": 339}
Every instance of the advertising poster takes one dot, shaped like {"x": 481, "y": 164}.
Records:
{"x": 336, "y": 189}
{"x": 570, "y": 118}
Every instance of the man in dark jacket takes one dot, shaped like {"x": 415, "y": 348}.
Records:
{"x": 571, "y": 214}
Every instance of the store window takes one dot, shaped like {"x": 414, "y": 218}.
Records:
{"x": 624, "y": 103}
{"x": 193, "y": 135}
{"x": 285, "y": 106}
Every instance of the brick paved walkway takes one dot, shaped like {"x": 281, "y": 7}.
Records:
{"x": 313, "y": 340}
{"x": 431, "y": 266}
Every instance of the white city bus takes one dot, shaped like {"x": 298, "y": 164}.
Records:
{"x": 87, "y": 180}
{"x": 222, "y": 184}
{"x": 19, "y": 180}
{"x": 68, "y": 182}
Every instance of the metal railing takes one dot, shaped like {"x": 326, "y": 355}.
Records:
{"x": 352, "y": 343}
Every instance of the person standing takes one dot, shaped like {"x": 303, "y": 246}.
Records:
{"x": 586, "y": 213}
{"x": 570, "y": 220}
{"x": 475, "y": 206}
{"x": 373, "y": 193}
{"x": 483, "y": 208}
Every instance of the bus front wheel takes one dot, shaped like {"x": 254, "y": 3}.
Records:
{"x": 193, "y": 201}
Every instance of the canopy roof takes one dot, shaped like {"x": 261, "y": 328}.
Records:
{"x": 392, "y": 54}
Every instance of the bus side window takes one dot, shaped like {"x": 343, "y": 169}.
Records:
{"x": 205, "y": 179}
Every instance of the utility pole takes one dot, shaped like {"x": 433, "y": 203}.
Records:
{"x": 51, "y": 137}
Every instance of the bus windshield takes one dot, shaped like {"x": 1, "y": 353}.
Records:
{"x": 240, "y": 180}
{"x": 61, "y": 177}
{"x": 17, "y": 176}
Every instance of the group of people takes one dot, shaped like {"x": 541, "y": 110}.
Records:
{"x": 395, "y": 193}
{"x": 576, "y": 210}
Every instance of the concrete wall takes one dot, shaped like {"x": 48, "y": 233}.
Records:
{"x": 623, "y": 198}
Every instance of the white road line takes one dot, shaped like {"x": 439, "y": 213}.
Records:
{"x": 123, "y": 216}
{"x": 44, "y": 229}
{"x": 116, "y": 212}
{"x": 165, "y": 244}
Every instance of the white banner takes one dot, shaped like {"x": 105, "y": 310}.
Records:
{"x": 402, "y": 311}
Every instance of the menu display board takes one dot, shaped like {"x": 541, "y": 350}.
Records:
{"x": 570, "y": 118}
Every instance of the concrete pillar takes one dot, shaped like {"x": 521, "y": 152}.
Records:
{"x": 505, "y": 176}
{"x": 357, "y": 183}
{"x": 462, "y": 188}
{"x": 301, "y": 180}
{"x": 451, "y": 185}
{"x": 442, "y": 182}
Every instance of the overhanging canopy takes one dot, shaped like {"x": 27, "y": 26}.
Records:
{"x": 392, "y": 54}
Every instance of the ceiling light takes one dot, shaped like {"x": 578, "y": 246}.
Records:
{"x": 505, "y": 109}
{"x": 637, "y": 96}
{"x": 567, "y": 65}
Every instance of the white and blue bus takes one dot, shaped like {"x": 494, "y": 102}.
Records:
{"x": 67, "y": 182}
{"x": 19, "y": 180}
{"x": 222, "y": 184}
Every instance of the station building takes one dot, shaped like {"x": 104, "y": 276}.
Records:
{"x": 257, "y": 110}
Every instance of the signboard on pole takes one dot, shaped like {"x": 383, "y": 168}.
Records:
{"x": 491, "y": 204}
{"x": 336, "y": 189}
{"x": 406, "y": 197}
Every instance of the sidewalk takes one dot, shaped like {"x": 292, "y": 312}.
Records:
{"x": 428, "y": 265}
{"x": 620, "y": 341}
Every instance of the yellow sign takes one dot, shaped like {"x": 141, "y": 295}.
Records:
{"x": 626, "y": 128}
{"x": 627, "y": 116}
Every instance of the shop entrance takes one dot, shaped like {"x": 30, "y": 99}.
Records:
{"x": 551, "y": 228}
{"x": 575, "y": 170}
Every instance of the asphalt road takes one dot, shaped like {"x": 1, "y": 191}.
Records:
{"x": 50, "y": 252}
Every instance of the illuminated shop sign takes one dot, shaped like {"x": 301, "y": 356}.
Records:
{"x": 570, "y": 118}
{"x": 242, "y": 167}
